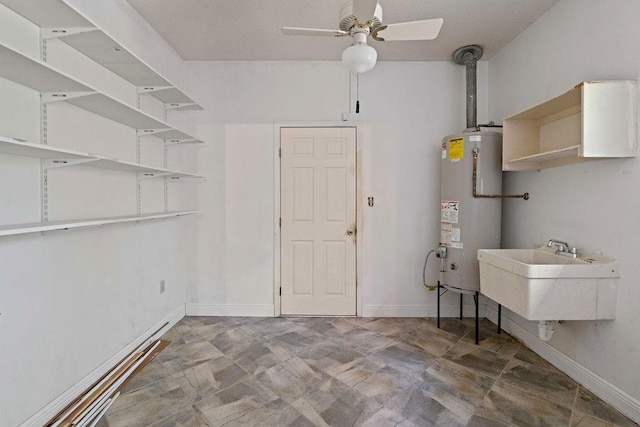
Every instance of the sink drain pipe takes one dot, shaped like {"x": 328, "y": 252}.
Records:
{"x": 546, "y": 328}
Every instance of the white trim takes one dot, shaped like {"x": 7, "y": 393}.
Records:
{"x": 247, "y": 310}
{"x": 446, "y": 310}
{"x": 602, "y": 388}
{"x": 360, "y": 207}
{"x": 276, "y": 219}
{"x": 276, "y": 205}
{"x": 49, "y": 411}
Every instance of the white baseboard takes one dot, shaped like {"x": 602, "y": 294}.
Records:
{"x": 49, "y": 411}
{"x": 248, "y": 310}
{"x": 602, "y": 388}
{"x": 448, "y": 310}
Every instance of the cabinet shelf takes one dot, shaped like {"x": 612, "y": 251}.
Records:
{"x": 532, "y": 161}
{"x": 59, "y": 20}
{"x": 60, "y": 87}
{"x": 60, "y": 157}
{"x": 37, "y": 227}
{"x": 594, "y": 120}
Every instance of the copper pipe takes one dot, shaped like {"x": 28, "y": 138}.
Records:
{"x": 524, "y": 196}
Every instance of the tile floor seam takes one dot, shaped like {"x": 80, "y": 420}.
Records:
{"x": 573, "y": 406}
{"x": 540, "y": 397}
{"x": 201, "y": 416}
{"x": 594, "y": 415}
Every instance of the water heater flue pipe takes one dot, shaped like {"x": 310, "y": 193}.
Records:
{"x": 476, "y": 151}
{"x": 469, "y": 56}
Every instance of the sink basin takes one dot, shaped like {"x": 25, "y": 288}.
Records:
{"x": 540, "y": 285}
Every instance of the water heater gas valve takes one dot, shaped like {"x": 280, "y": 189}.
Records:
{"x": 441, "y": 252}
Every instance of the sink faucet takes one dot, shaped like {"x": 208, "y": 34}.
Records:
{"x": 563, "y": 248}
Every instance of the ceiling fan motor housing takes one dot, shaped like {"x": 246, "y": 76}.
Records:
{"x": 347, "y": 18}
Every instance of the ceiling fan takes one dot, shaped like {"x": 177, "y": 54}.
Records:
{"x": 362, "y": 18}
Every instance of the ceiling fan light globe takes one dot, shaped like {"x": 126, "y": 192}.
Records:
{"x": 359, "y": 58}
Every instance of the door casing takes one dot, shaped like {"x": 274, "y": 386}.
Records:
{"x": 359, "y": 207}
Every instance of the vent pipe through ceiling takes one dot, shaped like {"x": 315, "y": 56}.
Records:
{"x": 469, "y": 56}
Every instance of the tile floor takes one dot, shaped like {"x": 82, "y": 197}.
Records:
{"x": 229, "y": 371}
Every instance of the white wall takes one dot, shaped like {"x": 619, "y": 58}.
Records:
{"x": 594, "y": 205}
{"x": 406, "y": 110}
{"x": 72, "y": 300}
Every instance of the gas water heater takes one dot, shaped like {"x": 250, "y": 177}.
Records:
{"x": 471, "y": 166}
{"x": 470, "y": 196}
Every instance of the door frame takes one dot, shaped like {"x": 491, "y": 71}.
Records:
{"x": 276, "y": 205}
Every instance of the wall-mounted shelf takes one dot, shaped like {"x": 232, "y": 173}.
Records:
{"x": 57, "y": 19}
{"x": 37, "y": 227}
{"x": 60, "y": 21}
{"x": 57, "y": 86}
{"x": 37, "y": 75}
{"x": 60, "y": 157}
{"x": 594, "y": 120}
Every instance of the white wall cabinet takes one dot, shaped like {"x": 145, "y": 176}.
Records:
{"x": 57, "y": 20}
{"x": 594, "y": 120}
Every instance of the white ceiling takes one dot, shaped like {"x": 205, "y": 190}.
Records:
{"x": 250, "y": 29}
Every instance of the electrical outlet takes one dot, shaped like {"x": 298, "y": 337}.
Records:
{"x": 162, "y": 286}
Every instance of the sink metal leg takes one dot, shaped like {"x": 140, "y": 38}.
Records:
{"x": 461, "y": 295}
{"x": 477, "y": 301}
{"x": 499, "y": 318}
{"x": 438, "y": 289}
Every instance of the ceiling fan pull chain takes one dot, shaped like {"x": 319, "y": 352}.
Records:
{"x": 357, "y": 93}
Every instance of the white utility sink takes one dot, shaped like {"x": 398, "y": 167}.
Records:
{"x": 540, "y": 285}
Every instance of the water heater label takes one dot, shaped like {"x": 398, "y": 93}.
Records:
{"x": 455, "y": 234}
{"x": 450, "y": 235}
{"x": 449, "y": 210}
{"x": 444, "y": 151}
{"x": 445, "y": 233}
{"x": 456, "y": 149}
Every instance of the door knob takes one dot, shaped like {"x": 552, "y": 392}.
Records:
{"x": 350, "y": 232}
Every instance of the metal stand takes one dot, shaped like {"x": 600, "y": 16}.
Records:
{"x": 476, "y": 300}
{"x": 439, "y": 303}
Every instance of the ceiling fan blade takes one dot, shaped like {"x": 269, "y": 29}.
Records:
{"x": 293, "y": 31}
{"x": 364, "y": 10}
{"x": 415, "y": 30}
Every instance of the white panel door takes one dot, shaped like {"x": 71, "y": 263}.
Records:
{"x": 318, "y": 211}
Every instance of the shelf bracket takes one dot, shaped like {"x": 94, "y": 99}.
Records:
{"x": 61, "y": 163}
{"x": 138, "y": 186}
{"x": 151, "y": 175}
{"x": 165, "y": 153}
{"x": 180, "y": 141}
{"x": 147, "y": 89}
{"x": 55, "y": 33}
{"x": 49, "y": 97}
{"x": 148, "y": 132}
{"x": 178, "y": 105}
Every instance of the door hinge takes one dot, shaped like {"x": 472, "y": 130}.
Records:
{"x": 280, "y": 152}
{"x": 280, "y": 291}
{"x": 280, "y": 222}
